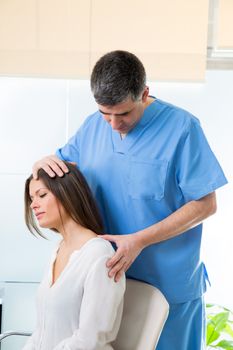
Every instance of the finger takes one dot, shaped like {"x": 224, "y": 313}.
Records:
{"x": 46, "y": 167}
{"x": 57, "y": 166}
{"x": 114, "y": 260}
{"x": 127, "y": 266}
{"x": 35, "y": 168}
{"x": 52, "y": 165}
{"x": 119, "y": 274}
{"x": 35, "y": 172}
{"x": 116, "y": 268}
{"x": 48, "y": 170}
{"x": 111, "y": 238}
{"x": 46, "y": 164}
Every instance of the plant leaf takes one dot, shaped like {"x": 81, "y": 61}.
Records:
{"x": 225, "y": 344}
{"x": 212, "y": 334}
{"x": 228, "y": 330}
{"x": 209, "y": 305}
{"x": 220, "y": 320}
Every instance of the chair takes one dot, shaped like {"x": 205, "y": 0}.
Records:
{"x": 144, "y": 314}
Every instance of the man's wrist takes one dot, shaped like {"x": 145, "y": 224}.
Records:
{"x": 147, "y": 236}
{"x": 142, "y": 239}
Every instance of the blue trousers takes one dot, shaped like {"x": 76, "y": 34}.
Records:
{"x": 185, "y": 327}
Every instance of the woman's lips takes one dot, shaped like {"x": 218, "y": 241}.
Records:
{"x": 39, "y": 215}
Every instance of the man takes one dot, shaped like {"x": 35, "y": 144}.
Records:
{"x": 154, "y": 176}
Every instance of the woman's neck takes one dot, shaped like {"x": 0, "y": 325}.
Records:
{"x": 75, "y": 235}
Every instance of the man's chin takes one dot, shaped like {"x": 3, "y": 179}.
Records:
{"x": 123, "y": 130}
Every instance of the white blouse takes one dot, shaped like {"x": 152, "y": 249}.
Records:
{"x": 82, "y": 310}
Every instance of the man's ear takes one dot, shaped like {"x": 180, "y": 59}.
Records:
{"x": 145, "y": 94}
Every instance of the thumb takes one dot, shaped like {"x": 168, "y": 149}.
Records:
{"x": 110, "y": 238}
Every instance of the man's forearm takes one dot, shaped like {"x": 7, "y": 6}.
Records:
{"x": 186, "y": 217}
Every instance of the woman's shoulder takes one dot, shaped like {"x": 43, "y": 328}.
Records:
{"x": 95, "y": 253}
{"x": 98, "y": 247}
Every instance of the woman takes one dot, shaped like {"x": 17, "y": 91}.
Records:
{"x": 79, "y": 307}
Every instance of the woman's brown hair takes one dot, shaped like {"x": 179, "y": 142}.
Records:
{"x": 74, "y": 194}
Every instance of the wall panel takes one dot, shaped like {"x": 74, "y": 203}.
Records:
{"x": 225, "y": 25}
{"x": 169, "y": 36}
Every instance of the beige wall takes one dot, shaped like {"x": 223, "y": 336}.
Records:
{"x": 225, "y": 25}
{"x": 63, "y": 38}
{"x": 169, "y": 36}
{"x": 45, "y": 38}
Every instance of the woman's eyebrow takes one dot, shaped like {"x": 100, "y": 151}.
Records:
{"x": 41, "y": 188}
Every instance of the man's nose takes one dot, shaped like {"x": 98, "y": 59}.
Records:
{"x": 115, "y": 122}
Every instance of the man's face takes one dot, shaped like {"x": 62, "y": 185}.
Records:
{"x": 124, "y": 116}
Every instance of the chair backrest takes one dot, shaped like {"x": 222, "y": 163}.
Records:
{"x": 145, "y": 312}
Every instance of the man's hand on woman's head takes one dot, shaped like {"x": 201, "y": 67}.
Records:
{"x": 52, "y": 165}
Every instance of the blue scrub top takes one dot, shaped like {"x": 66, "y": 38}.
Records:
{"x": 163, "y": 163}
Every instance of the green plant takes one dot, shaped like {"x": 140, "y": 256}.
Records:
{"x": 219, "y": 333}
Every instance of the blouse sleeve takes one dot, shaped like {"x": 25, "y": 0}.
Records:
{"x": 100, "y": 313}
{"x": 31, "y": 342}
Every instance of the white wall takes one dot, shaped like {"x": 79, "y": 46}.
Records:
{"x": 38, "y": 115}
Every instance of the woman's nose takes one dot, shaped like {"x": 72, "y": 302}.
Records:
{"x": 34, "y": 204}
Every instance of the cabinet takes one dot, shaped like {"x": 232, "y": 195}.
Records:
{"x": 225, "y": 25}
{"x": 64, "y": 38}
{"x": 170, "y": 37}
{"x": 42, "y": 38}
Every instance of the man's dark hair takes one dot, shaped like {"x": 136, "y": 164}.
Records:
{"x": 117, "y": 76}
{"x": 74, "y": 194}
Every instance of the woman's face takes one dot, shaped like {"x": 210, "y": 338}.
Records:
{"x": 45, "y": 206}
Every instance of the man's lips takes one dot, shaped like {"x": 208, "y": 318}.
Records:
{"x": 122, "y": 129}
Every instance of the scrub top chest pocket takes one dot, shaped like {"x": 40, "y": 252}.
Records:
{"x": 147, "y": 179}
